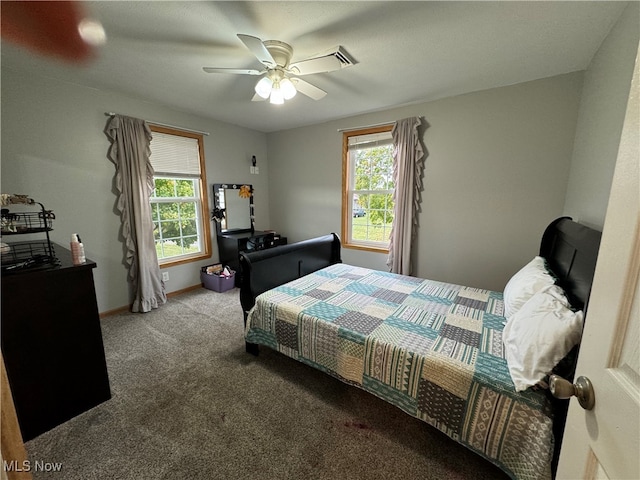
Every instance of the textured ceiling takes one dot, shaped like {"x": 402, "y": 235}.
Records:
{"x": 407, "y": 52}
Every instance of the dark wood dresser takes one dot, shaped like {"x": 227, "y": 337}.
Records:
{"x": 52, "y": 343}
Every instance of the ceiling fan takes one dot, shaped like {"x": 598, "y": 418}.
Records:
{"x": 280, "y": 80}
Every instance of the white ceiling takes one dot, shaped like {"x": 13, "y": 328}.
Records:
{"x": 407, "y": 52}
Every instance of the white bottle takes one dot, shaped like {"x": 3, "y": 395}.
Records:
{"x": 77, "y": 250}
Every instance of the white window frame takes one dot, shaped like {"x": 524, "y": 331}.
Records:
{"x": 202, "y": 203}
{"x": 349, "y": 192}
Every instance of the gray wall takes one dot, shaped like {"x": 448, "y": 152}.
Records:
{"x": 496, "y": 175}
{"x": 602, "y": 108}
{"x": 55, "y": 150}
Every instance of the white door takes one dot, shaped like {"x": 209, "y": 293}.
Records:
{"x": 604, "y": 443}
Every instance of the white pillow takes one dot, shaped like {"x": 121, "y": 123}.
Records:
{"x": 539, "y": 335}
{"x": 529, "y": 280}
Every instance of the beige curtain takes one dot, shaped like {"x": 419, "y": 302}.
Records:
{"x": 130, "y": 138}
{"x": 408, "y": 165}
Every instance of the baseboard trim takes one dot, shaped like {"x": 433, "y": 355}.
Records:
{"x": 184, "y": 290}
{"x": 127, "y": 308}
{"x": 115, "y": 311}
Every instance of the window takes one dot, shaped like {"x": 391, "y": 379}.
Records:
{"x": 367, "y": 198}
{"x": 179, "y": 204}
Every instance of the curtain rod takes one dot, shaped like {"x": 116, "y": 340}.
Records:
{"x": 385, "y": 124}
{"x": 111, "y": 114}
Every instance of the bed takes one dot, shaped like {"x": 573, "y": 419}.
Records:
{"x": 433, "y": 349}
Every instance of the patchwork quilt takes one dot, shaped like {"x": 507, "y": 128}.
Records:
{"x": 432, "y": 349}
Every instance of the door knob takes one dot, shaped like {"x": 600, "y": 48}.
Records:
{"x": 582, "y": 390}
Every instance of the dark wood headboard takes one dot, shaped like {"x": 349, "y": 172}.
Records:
{"x": 571, "y": 252}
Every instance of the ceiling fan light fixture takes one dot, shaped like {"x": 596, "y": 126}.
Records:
{"x": 288, "y": 89}
{"x": 277, "y": 97}
{"x": 263, "y": 87}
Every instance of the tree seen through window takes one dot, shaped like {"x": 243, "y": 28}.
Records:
{"x": 175, "y": 218}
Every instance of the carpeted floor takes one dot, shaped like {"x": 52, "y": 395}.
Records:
{"x": 189, "y": 403}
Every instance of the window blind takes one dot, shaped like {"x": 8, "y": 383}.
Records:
{"x": 360, "y": 142}
{"x": 174, "y": 155}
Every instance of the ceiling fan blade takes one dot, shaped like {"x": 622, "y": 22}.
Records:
{"x": 258, "y": 98}
{"x": 255, "y": 45}
{"x": 328, "y": 63}
{"x": 307, "y": 89}
{"x": 239, "y": 71}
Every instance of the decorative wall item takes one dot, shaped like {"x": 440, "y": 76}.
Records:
{"x": 245, "y": 191}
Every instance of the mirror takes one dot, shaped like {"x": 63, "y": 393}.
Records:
{"x": 233, "y": 207}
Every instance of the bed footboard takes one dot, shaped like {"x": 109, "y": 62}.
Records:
{"x": 266, "y": 269}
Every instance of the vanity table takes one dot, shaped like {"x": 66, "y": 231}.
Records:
{"x": 234, "y": 225}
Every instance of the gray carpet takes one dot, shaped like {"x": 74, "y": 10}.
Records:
{"x": 189, "y": 403}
